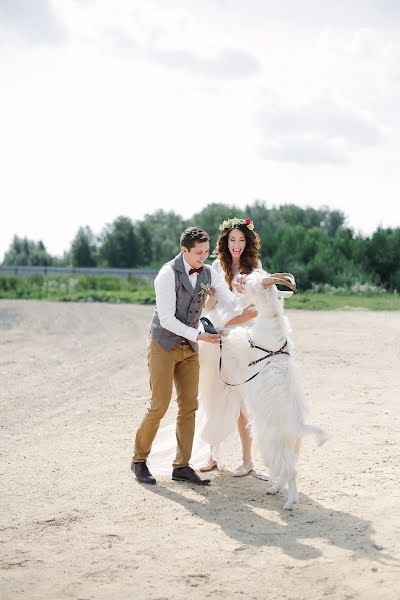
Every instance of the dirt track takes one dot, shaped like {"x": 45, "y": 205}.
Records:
{"x": 74, "y": 523}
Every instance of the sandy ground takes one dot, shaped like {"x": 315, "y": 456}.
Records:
{"x": 74, "y": 522}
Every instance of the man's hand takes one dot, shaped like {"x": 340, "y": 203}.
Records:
{"x": 212, "y": 338}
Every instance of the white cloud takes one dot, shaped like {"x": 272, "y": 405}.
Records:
{"x": 228, "y": 64}
{"x": 34, "y": 22}
{"x": 307, "y": 14}
{"x": 318, "y": 131}
{"x": 223, "y": 64}
{"x": 147, "y": 105}
{"x": 305, "y": 150}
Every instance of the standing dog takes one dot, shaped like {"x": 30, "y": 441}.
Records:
{"x": 276, "y": 398}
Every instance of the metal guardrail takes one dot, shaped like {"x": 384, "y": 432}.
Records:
{"x": 125, "y": 273}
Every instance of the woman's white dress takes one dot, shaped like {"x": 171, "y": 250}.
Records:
{"x": 219, "y": 407}
{"x": 219, "y": 404}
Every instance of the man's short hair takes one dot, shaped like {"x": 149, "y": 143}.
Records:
{"x": 192, "y": 236}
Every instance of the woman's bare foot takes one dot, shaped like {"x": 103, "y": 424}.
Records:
{"x": 243, "y": 469}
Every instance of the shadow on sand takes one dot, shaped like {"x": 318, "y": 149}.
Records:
{"x": 239, "y": 508}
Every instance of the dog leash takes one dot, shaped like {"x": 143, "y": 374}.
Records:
{"x": 254, "y": 362}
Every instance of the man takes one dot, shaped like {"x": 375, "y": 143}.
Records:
{"x": 173, "y": 350}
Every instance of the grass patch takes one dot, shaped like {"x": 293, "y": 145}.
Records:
{"x": 105, "y": 288}
{"x": 343, "y": 301}
{"x": 80, "y": 288}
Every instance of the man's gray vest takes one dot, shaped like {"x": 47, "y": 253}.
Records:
{"x": 189, "y": 304}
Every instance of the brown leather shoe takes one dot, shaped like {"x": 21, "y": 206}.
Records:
{"x": 142, "y": 472}
{"x": 188, "y": 474}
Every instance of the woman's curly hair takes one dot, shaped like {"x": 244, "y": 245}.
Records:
{"x": 249, "y": 259}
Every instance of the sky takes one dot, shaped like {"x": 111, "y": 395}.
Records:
{"x": 124, "y": 107}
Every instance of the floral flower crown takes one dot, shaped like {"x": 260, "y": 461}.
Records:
{"x": 230, "y": 223}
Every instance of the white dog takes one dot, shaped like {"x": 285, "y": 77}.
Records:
{"x": 276, "y": 398}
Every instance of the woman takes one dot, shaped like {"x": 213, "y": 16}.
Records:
{"x": 222, "y": 408}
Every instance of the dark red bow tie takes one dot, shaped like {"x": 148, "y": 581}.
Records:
{"x": 199, "y": 270}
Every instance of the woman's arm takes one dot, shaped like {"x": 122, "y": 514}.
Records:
{"x": 250, "y": 312}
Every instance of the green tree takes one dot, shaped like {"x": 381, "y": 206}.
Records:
{"x": 25, "y": 252}
{"x": 333, "y": 222}
{"x": 383, "y": 256}
{"x": 83, "y": 248}
{"x": 163, "y": 226}
{"x": 143, "y": 233}
{"x": 314, "y": 244}
{"x": 212, "y": 216}
{"x": 259, "y": 214}
{"x": 120, "y": 246}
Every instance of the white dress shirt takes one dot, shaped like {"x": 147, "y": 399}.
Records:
{"x": 164, "y": 285}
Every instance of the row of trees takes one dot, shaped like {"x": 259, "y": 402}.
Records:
{"x": 314, "y": 244}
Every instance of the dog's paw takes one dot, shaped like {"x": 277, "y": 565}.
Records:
{"x": 289, "y": 505}
{"x": 274, "y": 489}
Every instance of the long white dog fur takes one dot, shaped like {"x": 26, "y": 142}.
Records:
{"x": 277, "y": 403}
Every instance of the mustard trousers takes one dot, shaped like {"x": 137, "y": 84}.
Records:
{"x": 180, "y": 366}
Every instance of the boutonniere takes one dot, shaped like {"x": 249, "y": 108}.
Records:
{"x": 204, "y": 292}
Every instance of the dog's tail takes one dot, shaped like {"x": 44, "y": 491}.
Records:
{"x": 320, "y": 435}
